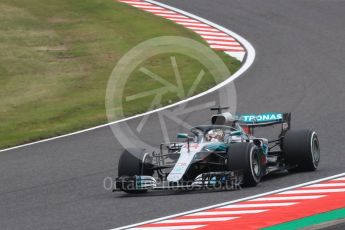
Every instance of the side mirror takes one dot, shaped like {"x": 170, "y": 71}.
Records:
{"x": 182, "y": 135}
{"x": 236, "y": 133}
{"x": 185, "y": 136}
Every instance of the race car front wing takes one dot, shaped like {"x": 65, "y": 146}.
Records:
{"x": 229, "y": 180}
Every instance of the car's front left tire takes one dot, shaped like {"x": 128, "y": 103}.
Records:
{"x": 246, "y": 157}
{"x": 133, "y": 163}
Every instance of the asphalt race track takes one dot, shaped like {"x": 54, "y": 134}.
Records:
{"x": 299, "y": 67}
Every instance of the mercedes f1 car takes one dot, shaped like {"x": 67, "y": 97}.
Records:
{"x": 224, "y": 154}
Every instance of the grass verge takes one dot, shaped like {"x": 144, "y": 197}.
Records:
{"x": 317, "y": 221}
{"x": 57, "y": 55}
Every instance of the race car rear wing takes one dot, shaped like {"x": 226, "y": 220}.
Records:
{"x": 251, "y": 121}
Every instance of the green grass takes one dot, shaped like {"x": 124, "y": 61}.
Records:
{"x": 310, "y": 221}
{"x": 56, "y": 57}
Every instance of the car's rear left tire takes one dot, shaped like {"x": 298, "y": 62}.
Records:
{"x": 246, "y": 157}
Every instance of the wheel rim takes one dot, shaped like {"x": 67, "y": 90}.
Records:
{"x": 315, "y": 150}
{"x": 255, "y": 163}
{"x": 147, "y": 160}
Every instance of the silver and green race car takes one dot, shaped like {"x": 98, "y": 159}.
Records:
{"x": 222, "y": 155}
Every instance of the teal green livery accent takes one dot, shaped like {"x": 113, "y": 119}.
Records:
{"x": 236, "y": 133}
{"x": 218, "y": 146}
{"x": 182, "y": 135}
{"x": 260, "y": 118}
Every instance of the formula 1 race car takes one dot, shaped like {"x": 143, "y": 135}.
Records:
{"x": 224, "y": 154}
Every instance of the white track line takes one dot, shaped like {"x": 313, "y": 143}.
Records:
{"x": 258, "y": 205}
{"x": 246, "y": 64}
{"x": 214, "y": 219}
{"x": 169, "y": 227}
{"x": 216, "y": 213}
{"x": 288, "y": 198}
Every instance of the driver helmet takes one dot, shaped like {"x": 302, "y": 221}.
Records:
{"x": 215, "y": 135}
